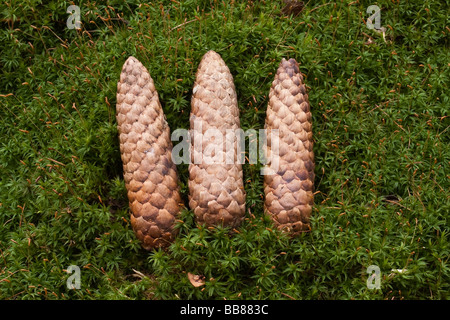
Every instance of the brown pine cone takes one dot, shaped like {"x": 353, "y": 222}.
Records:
{"x": 216, "y": 188}
{"x": 150, "y": 175}
{"x": 289, "y": 191}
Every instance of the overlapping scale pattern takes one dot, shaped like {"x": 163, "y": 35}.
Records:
{"x": 216, "y": 190}
{"x": 150, "y": 175}
{"x": 289, "y": 191}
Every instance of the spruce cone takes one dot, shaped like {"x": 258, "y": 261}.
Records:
{"x": 289, "y": 191}
{"x": 216, "y": 190}
{"x": 150, "y": 175}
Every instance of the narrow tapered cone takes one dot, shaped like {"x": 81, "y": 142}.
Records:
{"x": 216, "y": 189}
{"x": 149, "y": 173}
{"x": 289, "y": 190}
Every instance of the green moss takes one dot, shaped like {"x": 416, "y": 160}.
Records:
{"x": 380, "y": 121}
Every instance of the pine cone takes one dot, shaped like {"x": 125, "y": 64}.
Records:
{"x": 150, "y": 175}
{"x": 216, "y": 188}
{"x": 289, "y": 191}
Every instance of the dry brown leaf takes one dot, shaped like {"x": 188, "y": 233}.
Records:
{"x": 196, "y": 280}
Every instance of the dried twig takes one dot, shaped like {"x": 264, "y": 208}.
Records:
{"x": 182, "y": 24}
{"x": 322, "y": 5}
